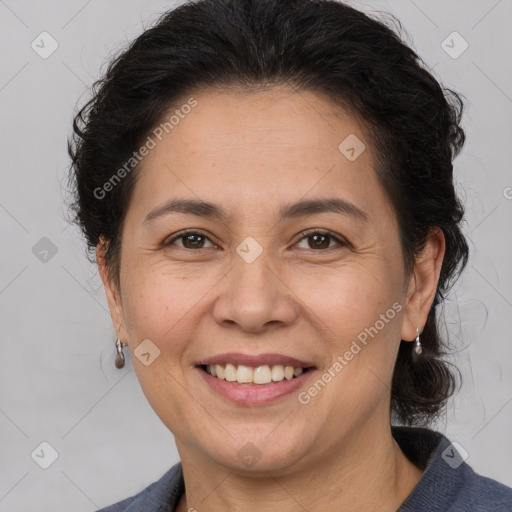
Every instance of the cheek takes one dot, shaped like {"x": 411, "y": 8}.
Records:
{"x": 356, "y": 312}
{"x": 163, "y": 308}
{"x": 158, "y": 304}
{"x": 346, "y": 299}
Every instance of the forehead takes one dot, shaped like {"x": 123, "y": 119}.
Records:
{"x": 291, "y": 125}
{"x": 267, "y": 147}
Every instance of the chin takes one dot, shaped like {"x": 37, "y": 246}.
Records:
{"x": 260, "y": 454}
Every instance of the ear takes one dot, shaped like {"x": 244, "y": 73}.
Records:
{"x": 422, "y": 285}
{"x": 112, "y": 292}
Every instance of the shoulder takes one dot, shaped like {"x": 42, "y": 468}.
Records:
{"x": 479, "y": 493}
{"x": 448, "y": 483}
{"x": 160, "y": 496}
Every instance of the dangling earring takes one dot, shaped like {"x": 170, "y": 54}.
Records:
{"x": 120, "y": 356}
{"x": 418, "y": 349}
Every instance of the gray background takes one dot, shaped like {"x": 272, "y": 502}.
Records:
{"x": 58, "y": 383}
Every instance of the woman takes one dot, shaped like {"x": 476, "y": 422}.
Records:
{"x": 268, "y": 190}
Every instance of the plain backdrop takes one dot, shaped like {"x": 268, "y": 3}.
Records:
{"x": 58, "y": 383}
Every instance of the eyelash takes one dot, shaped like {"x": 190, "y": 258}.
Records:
{"x": 305, "y": 234}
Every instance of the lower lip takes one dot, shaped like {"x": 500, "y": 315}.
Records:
{"x": 254, "y": 394}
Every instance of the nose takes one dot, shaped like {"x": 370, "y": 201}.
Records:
{"x": 255, "y": 297}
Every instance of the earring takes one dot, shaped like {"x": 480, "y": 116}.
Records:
{"x": 120, "y": 356}
{"x": 418, "y": 349}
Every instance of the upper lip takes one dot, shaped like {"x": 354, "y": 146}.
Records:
{"x": 238, "y": 358}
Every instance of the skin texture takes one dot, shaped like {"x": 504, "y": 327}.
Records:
{"x": 252, "y": 153}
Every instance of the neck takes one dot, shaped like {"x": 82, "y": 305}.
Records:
{"x": 368, "y": 472}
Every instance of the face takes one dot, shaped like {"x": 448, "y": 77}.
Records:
{"x": 269, "y": 284}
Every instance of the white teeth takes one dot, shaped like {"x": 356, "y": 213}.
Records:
{"x": 288, "y": 372}
{"x": 277, "y": 372}
{"x": 219, "y": 370}
{"x": 230, "y": 372}
{"x": 243, "y": 374}
{"x": 262, "y": 375}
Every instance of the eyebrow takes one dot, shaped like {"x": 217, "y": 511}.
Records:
{"x": 293, "y": 210}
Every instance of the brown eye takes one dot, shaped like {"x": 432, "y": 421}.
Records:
{"x": 193, "y": 241}
{"x": 190, "y": 240}
{"x": 320, "y": 240}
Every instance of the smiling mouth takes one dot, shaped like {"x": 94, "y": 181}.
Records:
{"x": 242, "y": 374}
